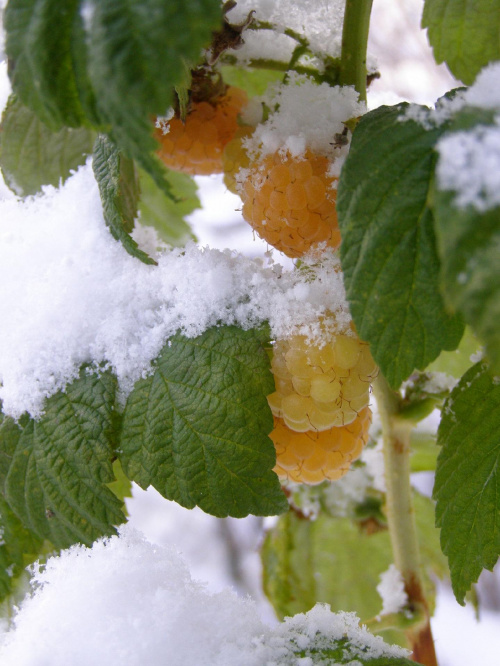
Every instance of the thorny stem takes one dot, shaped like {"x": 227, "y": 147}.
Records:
{"x": 401, "y": 518}
{"x": 354, "y": 44}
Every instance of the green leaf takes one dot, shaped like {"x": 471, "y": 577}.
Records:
{"x": 32, "y": 155}
{"x": 196, "y": 429}
{"x": 54, "y": 470}
{"x": 165, "y": 215}
{"x": 388, "y": 249}
{"x": 253, "y": 81}
{"x": 38, "y": 46}
{"x": 463, "y": 34}
{"x": 18, "y": 548}
{"x": 136, "y": 54}
{"x": 117, "y": 180}
{"x": 469, "y": 247}
{"x": 467, "y": 486}
{"x": 298, "y": 554}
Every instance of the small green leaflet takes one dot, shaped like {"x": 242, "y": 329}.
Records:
{"x": 463, "y": 34}
{"x": 117, "y": 180}
{"x": 165, "y": 215}
{"x": 54, "y": 470}
{"x": 469, "y": 247}
{"x": 32, "y": 155}
{"x": 388, "y": 249}
{"x": 197, "y": 428}
{"x": 467, "y": 486}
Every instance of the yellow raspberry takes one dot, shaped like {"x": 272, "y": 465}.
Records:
{"x": 290, "y": 202}
{"x": 312, "y": 457}
{"x": 196, "y": 146}
{"x": 321, "y": 387}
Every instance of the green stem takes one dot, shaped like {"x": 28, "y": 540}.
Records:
{"x": 400, "y": 514}
{"x": 354, "y": 44}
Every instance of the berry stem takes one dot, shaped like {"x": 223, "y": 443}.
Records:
{"x": 401, "y": 515}
{"x": 354, "y": 44}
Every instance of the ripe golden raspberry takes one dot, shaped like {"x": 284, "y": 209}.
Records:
{"x": 290, "y": 202}
{"x": 235, "y": 157}
{"x": 312, "y": 457}
{"x": 321, "y": 387}
{"x": 196, "y": 146}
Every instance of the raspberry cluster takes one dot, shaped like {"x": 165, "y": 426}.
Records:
{"x": 290, "y": 202}
{"x": 320, "y": 405}
{"x": 196, "y": 145}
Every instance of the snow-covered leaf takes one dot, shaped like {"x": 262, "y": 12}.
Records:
{"x": 463, "y": 34}
{"x": 466, "y": 207}
{"x": 54, "y": 470}
{"x": 196, "y": 429}
{"x": 388, "y": 246}
{"x": 118, "y": 186}
{"x": 467, "y": 486}
{"x": 32, "y": 155}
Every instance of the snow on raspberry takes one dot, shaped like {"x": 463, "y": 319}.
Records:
{"x": 304, "y": 116}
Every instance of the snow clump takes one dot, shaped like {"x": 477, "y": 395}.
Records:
{"x": 392, "y": 591}
{"x": 126, "y": 602}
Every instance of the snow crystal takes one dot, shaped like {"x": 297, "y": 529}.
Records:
{"x": 320, "y": 21}
{"x": 392, "y": 591}
{"x": 126, "y": 602}
{"x": 307, "y": 115}
{"x": 70, "y": 294}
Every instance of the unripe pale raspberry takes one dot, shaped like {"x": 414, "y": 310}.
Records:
{"x": 321, "y": 387}
{"x": 312, "y": 457}
{"x": 290, "y": 202}
{"x": 196, "y": 146}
